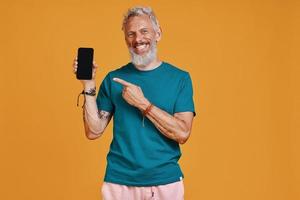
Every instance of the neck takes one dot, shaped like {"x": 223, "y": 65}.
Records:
{"x": 154, "y": 64}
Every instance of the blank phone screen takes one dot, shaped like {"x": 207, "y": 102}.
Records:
{"x": 85, "y": 63}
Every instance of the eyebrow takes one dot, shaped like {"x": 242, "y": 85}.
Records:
{"x": 144, "y": 28}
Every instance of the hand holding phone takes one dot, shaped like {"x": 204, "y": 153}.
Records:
{"x": 86, "y": 83}
{"x": 85, "y": 58}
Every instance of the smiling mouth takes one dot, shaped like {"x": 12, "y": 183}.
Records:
{"x": 141, "y": 47}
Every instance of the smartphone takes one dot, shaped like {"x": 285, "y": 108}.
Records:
{"x": 85, "y": 58}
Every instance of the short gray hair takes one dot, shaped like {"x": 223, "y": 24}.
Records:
{"x": 139, "y": 10}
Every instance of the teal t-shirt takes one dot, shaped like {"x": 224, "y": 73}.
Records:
{"x": 141, "y": 155}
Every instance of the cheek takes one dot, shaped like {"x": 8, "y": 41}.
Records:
{"x": 151, "y": 37}
{"x": 128, "y": 42}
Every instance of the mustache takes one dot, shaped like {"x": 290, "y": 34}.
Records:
{"x": 140, "y": 43}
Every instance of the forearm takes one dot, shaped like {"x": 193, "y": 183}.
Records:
{"x": 168, "y": 125}
{"x": 91, "y": 116}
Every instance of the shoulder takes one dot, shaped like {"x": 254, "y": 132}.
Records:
{"x": 120, "y": 70}
{"x": 178, "y": 71}
{"x": 116, "y": 72}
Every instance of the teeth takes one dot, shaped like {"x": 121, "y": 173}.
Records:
{"x": 141, "y": 46}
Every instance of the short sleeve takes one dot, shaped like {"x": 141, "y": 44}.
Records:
{"x": 104, "y": 101}
{"x": 184, "y": 101}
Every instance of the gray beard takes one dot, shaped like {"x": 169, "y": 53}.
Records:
{"x": 144, "y": 60}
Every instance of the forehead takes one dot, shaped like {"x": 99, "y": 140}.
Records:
{"x": 138, "y": 22}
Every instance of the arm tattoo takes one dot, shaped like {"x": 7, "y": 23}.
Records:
{"x": 103, "y": 114}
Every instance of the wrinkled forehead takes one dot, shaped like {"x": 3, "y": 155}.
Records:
{"x": 136, "y": 23}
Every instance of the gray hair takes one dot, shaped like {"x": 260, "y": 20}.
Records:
{"x": 139, "y": 10}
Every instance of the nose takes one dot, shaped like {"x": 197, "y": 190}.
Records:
{"x": 138, "y": 37}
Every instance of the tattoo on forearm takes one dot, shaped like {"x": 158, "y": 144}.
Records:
{"x": 103, "y": 114}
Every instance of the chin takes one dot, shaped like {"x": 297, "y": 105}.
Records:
{"x": 145, "y": 58}
{"x": 142, "y": 54}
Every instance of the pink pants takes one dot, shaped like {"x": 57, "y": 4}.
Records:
{"x": 172, "y": 191}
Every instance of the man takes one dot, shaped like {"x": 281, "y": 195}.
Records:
{"x": 152, "y": 104}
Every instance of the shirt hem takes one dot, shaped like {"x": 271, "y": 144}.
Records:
{"x": 154, "y": 183}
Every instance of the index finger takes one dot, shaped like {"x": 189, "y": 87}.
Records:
{"x": 121, "y": 81}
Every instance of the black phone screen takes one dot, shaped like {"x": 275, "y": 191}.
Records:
{"x": 85, "y": 63}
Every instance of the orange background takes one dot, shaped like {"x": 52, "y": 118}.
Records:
{"x": 243, "y": 59}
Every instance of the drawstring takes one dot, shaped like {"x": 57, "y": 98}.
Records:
{"x": 152, "y": 192}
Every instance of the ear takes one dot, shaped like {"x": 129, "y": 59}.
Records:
{"x": 158, "y": 34}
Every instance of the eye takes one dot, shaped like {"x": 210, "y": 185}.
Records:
{"x": 144, "y": 31}
{"x": 130, "y": 34}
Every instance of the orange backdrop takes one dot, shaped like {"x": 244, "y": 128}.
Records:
{"x": 243, "y": 59}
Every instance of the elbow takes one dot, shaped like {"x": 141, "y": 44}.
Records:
{"x": 184, "y": 137}
{"x": 182, "y": 140}
{"x": 92, "y": 136}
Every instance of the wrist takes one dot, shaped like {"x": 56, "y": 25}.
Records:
{"x": 89, "y": 91}
{"x": 144, "y": 105}
{"x": 147, "y": 110}
{"x": 89, "y": 85}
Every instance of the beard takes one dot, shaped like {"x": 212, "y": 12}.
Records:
{"x": 146, "y": 59}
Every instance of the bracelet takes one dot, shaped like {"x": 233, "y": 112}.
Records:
{"x": 90, "y": 92}
{"x": 147, "y": 110}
